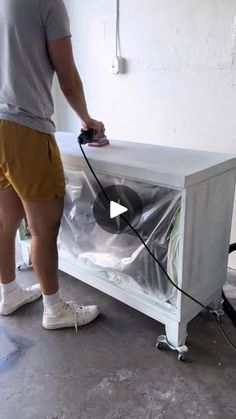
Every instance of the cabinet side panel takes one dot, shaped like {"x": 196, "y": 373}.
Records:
{"x": 207, "y": 224}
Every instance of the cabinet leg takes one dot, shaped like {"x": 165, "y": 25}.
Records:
{"x": 25, "y": 264}
{"x": 176, "y": 333}
{"x": 216, "y": 305}
{"x": 174, "y": 339}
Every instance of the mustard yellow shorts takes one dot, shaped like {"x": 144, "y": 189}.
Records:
{"x": 30, "y": 162}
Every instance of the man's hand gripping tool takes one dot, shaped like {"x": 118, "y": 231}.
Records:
{"x": 87, "y": 137}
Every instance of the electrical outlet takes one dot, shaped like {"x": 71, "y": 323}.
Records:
{"x": 116, "y": 65}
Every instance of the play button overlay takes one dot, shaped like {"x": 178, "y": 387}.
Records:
{"x": 120, "y": 203}
{"x": 116, "y": 209}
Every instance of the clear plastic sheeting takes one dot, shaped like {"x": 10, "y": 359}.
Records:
{"x": 122, "y": 258}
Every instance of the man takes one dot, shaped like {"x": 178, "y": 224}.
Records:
{"x": 35, "y": 42}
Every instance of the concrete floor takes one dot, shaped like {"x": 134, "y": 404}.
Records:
{"x": 110, "y": 369}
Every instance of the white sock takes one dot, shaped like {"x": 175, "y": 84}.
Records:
{"x": 7, "y": 288}
{"x": 50, "y": 300}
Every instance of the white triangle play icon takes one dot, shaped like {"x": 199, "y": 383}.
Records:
{"x": 116, "y": 209}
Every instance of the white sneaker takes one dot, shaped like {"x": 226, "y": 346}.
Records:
{"x": 64, "y": 314}
{"x": 18, "y": 297}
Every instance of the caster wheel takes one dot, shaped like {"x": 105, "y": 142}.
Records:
{"x": 181, "y": 357}
{"x": 160, "y": 345}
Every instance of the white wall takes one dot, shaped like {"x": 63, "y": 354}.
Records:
{"x": 180, "y": 88}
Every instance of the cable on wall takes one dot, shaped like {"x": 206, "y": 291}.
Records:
{"x": 117, "y": 65}
{"x": 117, "y": 28}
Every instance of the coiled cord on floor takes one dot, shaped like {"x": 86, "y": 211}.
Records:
{"x": 212, "y": 312}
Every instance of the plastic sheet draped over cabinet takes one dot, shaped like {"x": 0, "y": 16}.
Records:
{"x": 122, "y": 257}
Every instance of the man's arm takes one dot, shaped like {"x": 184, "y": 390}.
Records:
{"x": 61, "y": 54}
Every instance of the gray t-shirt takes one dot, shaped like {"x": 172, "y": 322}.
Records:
{"x": 26, "y": 72}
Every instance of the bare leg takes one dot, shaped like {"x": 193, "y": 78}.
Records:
{"x": 11, "y": 214}
{"x": 44, "y": 222}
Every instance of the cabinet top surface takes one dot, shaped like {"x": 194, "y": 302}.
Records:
{"x": 177, "y": 167}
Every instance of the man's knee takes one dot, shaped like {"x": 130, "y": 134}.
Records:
{"x": 9, "y": 225}
{"x": 44, "y": 218}
{"x": 44, "y": 230}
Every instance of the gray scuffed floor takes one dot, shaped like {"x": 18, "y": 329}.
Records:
{"x": 110, "y": 369}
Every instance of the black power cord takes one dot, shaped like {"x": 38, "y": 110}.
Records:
{"x": 212, "y": 312}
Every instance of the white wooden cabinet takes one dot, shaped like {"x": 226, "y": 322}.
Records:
{"x": 205, "y": 182}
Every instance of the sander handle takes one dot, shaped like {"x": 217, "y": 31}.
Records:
{"x": 86, "y": 136}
